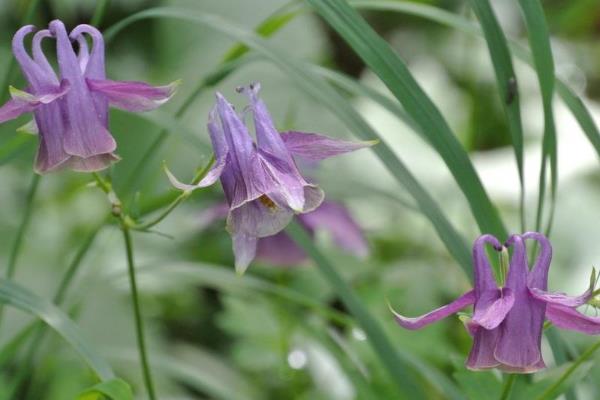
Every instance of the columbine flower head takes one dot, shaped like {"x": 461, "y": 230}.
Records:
{"x": 261, "y": 181}
{"x": 507, "y": 321}
{"x": 71, "y": 113}
{"x": 281, "y": 250}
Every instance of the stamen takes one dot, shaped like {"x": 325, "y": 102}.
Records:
{"x": 267, "y": 202}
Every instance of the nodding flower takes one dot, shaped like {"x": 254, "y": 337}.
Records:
{"x": 262, "y": 184}
{"x": 507, "y": 322}
{"x": 70, "y": 109}
{"x": 280, "y": 249}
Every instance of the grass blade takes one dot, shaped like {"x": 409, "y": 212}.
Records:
{"x": 539, "y": 41}
{"x": 506, "y": 80}
{"x": 380, "y": 57}
{"x": 21, "y": 298}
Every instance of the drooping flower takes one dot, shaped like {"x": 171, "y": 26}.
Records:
{"x": 279, "y": 249}
{"x": 261, "y": 181}
{"x": 507, "y": 322}
{"x": 71, "y": 114}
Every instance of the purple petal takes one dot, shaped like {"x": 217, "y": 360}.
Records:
{"x": 259, "y": 218}
{"x": 538, "y": 277}
{"x": 83, "y": 53}
{"x": 41, "y": 97}
{"x": 492, "y": 307}
{"x": 315, "y": 147}
{"x": 282, "y": 172}
{"x": 335, "y": 219}
{"x": 280, "y": 250}
{"x": 521, "y": 332}
{"x": 418, "y": 322}
{"x": 94, "y": 163}
{"x": 244, "y": 251}
{"x": 243, "y": 180}
{"x": 23, "y": 102}
{"x": 530, "y": 369}
{"x": 481, "y": 355}
{"x": 482, "y": 270}
{"x": 94, "y": 66}
{"x": 571, "y": 319}
{"x": 13, "y": 109}
{"x": 562, "y": 298}
{"x": 40, "y": 58}
{"x": 133, "y": 96}
{"x": 38, "y": 76}
{"x": 86, "y": 135}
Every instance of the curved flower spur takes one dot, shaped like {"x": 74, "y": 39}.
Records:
{"x": 71, "y": 114}
{"x": 507, "y": 322}
{"x": 261, "y": 181}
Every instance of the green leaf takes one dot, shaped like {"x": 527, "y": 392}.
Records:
{"x": 21, "y": 298}
{"x": 506, "y": 80}
{"x": 326, "y": 95}
{"x": 390, "y": 68}
{"x": 114, "y": 389}
{"x": 539, "y": 41}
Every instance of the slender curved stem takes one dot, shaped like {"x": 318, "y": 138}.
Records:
{"x": 549, "y": 393}
{"x": 178, "y": 200}
{"x": 508, "y": 385}
{"x": 139, "y": 327}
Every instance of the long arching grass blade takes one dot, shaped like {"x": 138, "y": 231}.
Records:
{"x": 390, "y": 68}
{"x": 507, "y": 85}
{"x": 539, "y": 41}
{"x": 21, "y": 298}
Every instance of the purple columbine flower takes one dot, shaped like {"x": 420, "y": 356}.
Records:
{"x": 507, "y": 322}
{"x": 261, "y": 181}
{"x": 71, "y": 113}
{"x": 279, "y": 249}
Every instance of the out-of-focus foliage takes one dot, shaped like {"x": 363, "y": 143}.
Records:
{"x": 283, "y": 333}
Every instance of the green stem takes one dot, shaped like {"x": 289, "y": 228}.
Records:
{"x": 549, "y": 393}
{"x": 139, "y": 327}
{"x": 508, "y": 385}
{"x": 178, "y": 200}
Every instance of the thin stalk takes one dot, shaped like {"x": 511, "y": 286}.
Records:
{"x": 17, "y": 244}
{"x": 139, "y": 327}
{"x": 508, "y": 385}
{"x": 549, "y": 393}
{"x": 178, "y": 200}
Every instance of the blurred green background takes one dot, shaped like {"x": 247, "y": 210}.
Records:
{"x": 215, "y": 335}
